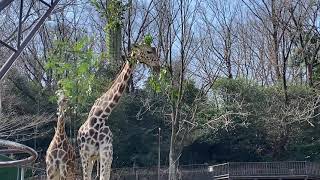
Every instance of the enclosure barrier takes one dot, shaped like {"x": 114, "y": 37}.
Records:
{"x": 14, "y": 148}
{"x": 267, "y": 169}
{"x": 231, "y": 170}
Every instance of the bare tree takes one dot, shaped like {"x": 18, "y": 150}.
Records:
{"x": 219, "y": 18}
{"x": 181, "y": 49}
{"x": 21, "y": 128}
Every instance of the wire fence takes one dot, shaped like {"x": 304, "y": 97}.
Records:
{"x": 207, "y": 172}
{"x": 189, "y": 172}
{"x": 226, "y": 170}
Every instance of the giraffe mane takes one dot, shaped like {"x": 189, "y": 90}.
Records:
{"x": 114, "y": 80}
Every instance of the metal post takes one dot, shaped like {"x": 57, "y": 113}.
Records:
{"x": 18, "y": 173}
{"x": 136, "y": 173}
{"x": 1, "y": 86}
{"x": 22, "y": 173}
{"x": 159, "y": 142}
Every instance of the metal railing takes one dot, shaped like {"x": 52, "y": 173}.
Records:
{"x": 15, "y": 148}
{"x": 288, "y": 168}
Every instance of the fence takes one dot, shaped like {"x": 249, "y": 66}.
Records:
{"x": 247, "y": 170}
{"x": 190, "y": 172}
{"x": 226, "y": 170}
{"x": 15, "y": 168}
{"x": 267, "y": 169}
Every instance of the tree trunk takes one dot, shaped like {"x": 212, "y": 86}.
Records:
{"x": 309, "y": 72}
{"x": 114, "y": 44}
{"x": 280, "y": 144}
{"x": 227, "y": 52}
{"x": 275, "y": 48}
{"x": 173, "y": 156}
{"x": 173, "y": 163}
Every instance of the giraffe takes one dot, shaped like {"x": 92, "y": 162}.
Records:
{"x": 94, "y": 136}
{"x": 60, "y": 157}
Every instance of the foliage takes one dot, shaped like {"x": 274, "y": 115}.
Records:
{"x": 148, "y": 39}
{"x": 75, "y": 67}
{"x": 162, "y": 84}
{"x": 136, "y": 133}
{"x": 113, "y": 11}
{"x": 250, "y": 117}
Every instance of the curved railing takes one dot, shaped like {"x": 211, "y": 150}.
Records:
{"x": 9, "y": 147}
{"x": 17, "y": 148}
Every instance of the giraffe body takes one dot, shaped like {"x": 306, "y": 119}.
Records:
{"x": 60, "y": 157}
{"x": 94, "y": 136}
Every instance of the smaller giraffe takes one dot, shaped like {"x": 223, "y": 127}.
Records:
{"x": 60, "y": 157}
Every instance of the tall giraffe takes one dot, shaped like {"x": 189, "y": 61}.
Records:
{"x": 94, "y": 136}
{"x": 60, "y": 157}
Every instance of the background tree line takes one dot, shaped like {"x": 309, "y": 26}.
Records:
{"x": 240, "y": 79}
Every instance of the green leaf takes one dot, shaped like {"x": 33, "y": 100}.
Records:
{"x": 148, "y": 39}
{"x": 83, "y": 68}
{"x": 67, "y": 86}
{"x": 66, "y": 66}
{"x": 78, "y": 46}
{"x": 49, "y": 65}
{"x": 52, "y": 99}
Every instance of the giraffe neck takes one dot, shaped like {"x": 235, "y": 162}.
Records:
{"x": 111, "y": 98}
{"x": 61, "y": 122}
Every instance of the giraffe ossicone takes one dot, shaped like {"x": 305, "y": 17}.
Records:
{"x": 60, "y": 157}
{"x": 94, "y": 136}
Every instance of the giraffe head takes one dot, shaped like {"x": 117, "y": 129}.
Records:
{"x": 62, "y": 101}
{"x": 147, "y": 55}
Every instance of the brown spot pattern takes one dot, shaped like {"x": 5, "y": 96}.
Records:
{"x": 98, "y": 112}
{"x": 93, "y": 121}
{"x": 116, "y": 98}
{"x": 101, "y": 136}
{"x": 121, "y": 88}
{"x": 91, "y": 132}
{"x": 107, "y": 110}
{"x": 112, "y": 105}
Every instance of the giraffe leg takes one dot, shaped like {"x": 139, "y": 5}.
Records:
{"x": 98, "y": 171}
{"x": 87, "y": 166}
{"x": 63, "y": 172}
{"x": 71, "y": 171}
{"x": 52, "y": 173}
{"x": 105, "y": 164}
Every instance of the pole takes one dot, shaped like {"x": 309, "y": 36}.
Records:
{"x": 22, "y": 173}
{"x": 18, "y": 173}
{"x": 1, "y": 86}
{"x": 159, "y": 138}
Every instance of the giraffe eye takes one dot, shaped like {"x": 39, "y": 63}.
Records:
{"x": 149, "y": 52}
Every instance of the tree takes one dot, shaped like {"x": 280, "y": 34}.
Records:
{"x": 76, "y": 69}
{"x": 307, "y": 42}
{"x": 183, "y": 100}
{"x": 265, "y": 110}
{"x": 220, "y": 22}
